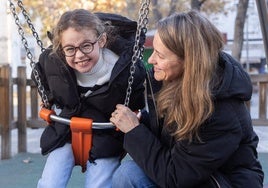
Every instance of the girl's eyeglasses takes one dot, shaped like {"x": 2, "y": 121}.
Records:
{"x": 85, "y": 47}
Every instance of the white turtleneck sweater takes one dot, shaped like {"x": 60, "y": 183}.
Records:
{"x": 100, "y": 73}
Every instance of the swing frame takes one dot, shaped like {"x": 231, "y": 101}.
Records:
{"x": 81, "y": 128}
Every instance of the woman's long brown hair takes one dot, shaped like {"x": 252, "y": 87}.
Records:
{"x": 187, "y": 101}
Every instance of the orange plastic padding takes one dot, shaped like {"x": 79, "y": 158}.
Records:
{"x": 81, "y": 140}
{"x": 45, "y": 114}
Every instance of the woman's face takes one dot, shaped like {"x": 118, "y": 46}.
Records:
{"x": 80, "y": 61}
{"x": 167, "y": 65}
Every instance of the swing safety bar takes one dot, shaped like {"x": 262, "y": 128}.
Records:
{"x": 50, "y": 115}
{"x": 81, "y": 129}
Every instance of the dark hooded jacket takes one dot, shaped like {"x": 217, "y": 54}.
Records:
{"x": 227, "y": 154}
{"x": 61, "y": 88}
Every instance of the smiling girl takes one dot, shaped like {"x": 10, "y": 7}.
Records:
{"x": 86, "y": 75}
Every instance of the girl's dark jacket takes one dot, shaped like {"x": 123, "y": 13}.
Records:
{"x": 227, "y": 153}
{"x": 60, "y": 84}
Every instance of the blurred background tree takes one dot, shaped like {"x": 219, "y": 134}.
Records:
{"x": 48, "y": 11}
{"x": 240, "y": 20}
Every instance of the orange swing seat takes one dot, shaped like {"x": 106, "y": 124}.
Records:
{"x": 81, "y": 140}
{"x": 81, "y": 136}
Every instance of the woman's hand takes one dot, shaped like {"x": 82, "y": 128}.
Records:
{"x": 124, "y": 119}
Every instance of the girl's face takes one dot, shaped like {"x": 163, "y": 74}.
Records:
{"x": 167, "y": 65}
{"x": 71, "y": 39}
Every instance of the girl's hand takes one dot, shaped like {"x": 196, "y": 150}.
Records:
{"x": 124, "y": 119}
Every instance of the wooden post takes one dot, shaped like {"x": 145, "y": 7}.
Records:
{"x": 22, "y": 134}
{"x": 262, "y": 81}
{"x": 262, "y": 100}
{"x": 34, "y": 102}
{"x": 34, "y": 121}
{"x": 5, "y": 116}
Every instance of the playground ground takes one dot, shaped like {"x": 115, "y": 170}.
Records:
{"x": 24, "y": 169}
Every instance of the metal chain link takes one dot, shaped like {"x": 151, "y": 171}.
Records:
{"x": 28, "y": 52}
{"x": 30, "y": 25}
{"x": 138, "y": 51}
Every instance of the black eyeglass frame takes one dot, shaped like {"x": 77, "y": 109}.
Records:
{"x": 80, "y": 47}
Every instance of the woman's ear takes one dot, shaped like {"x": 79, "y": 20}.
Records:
{"x": 103, "y": 39}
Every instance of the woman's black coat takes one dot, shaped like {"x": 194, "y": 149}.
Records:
{"x": 227, "y": 153}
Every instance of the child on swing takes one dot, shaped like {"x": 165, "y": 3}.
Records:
{"x": 85, "y": 74}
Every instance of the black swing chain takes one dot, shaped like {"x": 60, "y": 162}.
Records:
{"x": 138, "y": 51}
{"x": 30, "y": 25}
{"x": 25, "y": 44}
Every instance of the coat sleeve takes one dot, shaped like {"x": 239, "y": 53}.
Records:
{"x": 184, "y": 164}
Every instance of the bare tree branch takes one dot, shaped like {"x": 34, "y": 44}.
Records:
{"x": 239, "y": 28}
{"x": 155, "y": 10}
{"x": 196, "y": 4}
{"x": 172, "y": 7}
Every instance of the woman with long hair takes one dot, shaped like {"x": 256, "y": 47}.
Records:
{"x": 198, "y": 131}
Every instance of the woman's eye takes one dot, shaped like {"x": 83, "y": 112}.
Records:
{"x": 160, "y": 56}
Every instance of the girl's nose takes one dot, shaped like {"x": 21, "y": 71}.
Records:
{"x": 79, "y": 53}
